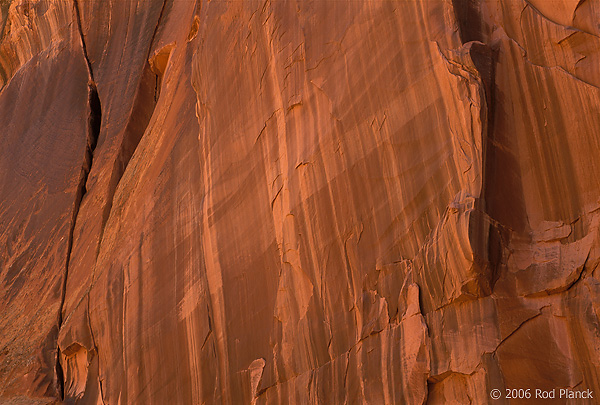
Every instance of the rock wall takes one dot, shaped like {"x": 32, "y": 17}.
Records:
{"x": 384, "y": 202}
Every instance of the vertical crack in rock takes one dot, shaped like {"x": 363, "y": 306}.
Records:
{"x": 93, "y": 131}
{"x": 158, "y": 74}
{"x": 142, "y": 110}
{"x": 473, "y": 33}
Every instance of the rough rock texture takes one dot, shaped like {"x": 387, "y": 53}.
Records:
{"x": 379, "y": 202}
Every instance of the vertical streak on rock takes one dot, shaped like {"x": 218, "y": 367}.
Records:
{"x": 133, "y": 136}
{"x": 213, "y": 267}
{"x": 94, "y": 120}
{"x": 295, "y": 289}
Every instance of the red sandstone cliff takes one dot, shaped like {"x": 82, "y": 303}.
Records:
{"x": 383, "y": 202}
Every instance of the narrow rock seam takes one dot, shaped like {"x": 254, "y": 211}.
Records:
{"x": 93, "y": 131}
{"x": 108, "y": 207}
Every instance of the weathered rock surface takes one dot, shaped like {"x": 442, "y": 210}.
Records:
{"x": 298, "y": 202}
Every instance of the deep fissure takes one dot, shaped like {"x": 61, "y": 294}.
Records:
{"x": 93, "y": 132}
{"x": 142, "y": 111}
{"x": 473, "y": 30}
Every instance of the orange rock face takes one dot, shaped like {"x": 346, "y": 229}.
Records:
{"x": 383, "y": 202}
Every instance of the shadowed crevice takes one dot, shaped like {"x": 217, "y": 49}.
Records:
{"x": 491, "y": 235}
{"x": 142, "y": 110}
{"x": 141, "y": 113}
{"x": 93, "y": 132}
